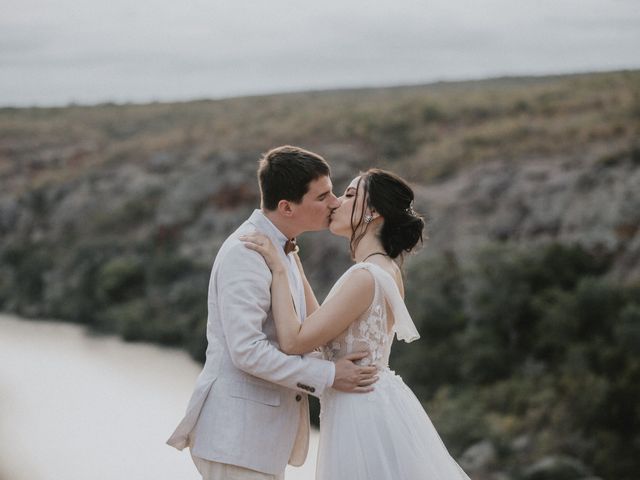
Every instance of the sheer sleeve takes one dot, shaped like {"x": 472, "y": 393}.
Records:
{"x": 403, "y": 325}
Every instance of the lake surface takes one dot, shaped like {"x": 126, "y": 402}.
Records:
{"x": 75, "y": 406}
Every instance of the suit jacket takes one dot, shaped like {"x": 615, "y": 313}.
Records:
{"x": 249, "y": 406}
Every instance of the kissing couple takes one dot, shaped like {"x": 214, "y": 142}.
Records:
{"x": 270, "y": 343}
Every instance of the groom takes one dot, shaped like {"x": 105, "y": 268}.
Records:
{"x": 248, "y": 415}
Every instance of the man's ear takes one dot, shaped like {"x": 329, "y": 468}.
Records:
{"x": 284, "y": 207}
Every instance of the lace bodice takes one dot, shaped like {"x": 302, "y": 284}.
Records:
{"x": 372, "y": 331}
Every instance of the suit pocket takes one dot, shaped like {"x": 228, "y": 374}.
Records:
{"x": 255, "y": 393}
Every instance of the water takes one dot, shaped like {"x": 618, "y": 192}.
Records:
{"x": 75, "y": 406}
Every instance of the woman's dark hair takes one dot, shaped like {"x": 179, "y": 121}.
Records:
{"x": 284, "y": 173}
{"x": 390, "y": 196}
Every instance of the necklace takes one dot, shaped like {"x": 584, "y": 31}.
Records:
{"x": 374, "y": 253}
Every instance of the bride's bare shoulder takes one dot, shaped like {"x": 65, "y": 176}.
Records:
{"x": 392, "y": 268}
{"x": 357, "y": 282}
{"x": 362, "y": 276}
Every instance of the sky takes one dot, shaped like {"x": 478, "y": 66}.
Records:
{"x": 56, "y": 52}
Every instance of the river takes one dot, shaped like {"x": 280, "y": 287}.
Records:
{"x": 77, "y": 406}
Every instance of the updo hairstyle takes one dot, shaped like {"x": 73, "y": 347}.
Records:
{"x": 390, "y": 196}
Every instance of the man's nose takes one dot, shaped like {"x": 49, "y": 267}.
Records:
{"x": 334, "y": 201}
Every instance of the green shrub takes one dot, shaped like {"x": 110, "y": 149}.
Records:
{"x": 535, "y": 342}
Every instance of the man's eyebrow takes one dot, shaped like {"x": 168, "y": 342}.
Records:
{"x": 324, "y": 194}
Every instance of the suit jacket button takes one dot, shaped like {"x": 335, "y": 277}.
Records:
{"x": 298, "y": 397}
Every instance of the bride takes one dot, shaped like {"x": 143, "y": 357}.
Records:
{"x": 384, "y": 434}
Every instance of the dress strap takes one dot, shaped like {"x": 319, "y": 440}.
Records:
{"x": 403, "y": 325}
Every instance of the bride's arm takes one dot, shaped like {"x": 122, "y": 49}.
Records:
{"x": 309, "y": 295}
{"x": 328, "y": 321}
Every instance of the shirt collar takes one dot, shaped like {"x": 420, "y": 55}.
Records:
{"x": 266, "y": 226}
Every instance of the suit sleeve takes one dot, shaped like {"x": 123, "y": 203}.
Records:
{"x": 243, "y": 286}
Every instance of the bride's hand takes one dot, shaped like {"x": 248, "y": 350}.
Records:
{"x": 263, "y": 245}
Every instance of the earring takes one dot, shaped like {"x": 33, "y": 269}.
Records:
{"x": 368, "y": 218}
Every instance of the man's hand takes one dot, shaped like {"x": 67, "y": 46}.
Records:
{"x": 354, "y": 378}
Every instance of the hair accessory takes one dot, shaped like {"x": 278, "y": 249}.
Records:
{"x": 410, "y": 209}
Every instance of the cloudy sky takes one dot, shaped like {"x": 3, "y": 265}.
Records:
{"x": 53, "y": 52}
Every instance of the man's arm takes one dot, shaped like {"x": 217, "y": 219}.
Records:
{"x": 243, "y": 283}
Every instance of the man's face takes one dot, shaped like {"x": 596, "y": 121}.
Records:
{"x": 314, "y": 211}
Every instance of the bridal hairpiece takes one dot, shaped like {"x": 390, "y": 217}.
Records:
{"x": 410, "y": 209}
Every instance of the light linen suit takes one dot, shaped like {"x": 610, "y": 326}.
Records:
{"x": 249, "y": 407}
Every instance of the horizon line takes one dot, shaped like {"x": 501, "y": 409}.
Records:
{"x": 328, "y": 89}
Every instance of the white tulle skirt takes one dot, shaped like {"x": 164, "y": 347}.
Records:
{"x": 382, "y": 435}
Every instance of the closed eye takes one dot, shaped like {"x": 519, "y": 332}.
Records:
{"x": 350, "y": 192}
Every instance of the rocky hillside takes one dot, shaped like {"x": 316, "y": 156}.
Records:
{"x": 524, "y": 159}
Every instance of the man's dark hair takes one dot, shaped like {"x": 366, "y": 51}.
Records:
{"x": 284, "y": 173}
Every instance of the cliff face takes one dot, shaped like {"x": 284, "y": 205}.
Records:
{"x": 112, "y": 215}
{"x": 524, "y": 160}
{"x": 591, "y": 199}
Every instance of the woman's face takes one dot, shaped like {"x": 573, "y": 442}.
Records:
{"x": 341, "y": 217}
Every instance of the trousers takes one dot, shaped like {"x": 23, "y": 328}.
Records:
{"x": 223, "y": 471}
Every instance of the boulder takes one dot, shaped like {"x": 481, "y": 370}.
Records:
{"x": 556, "y": 467}
{"x": 478, "y": 457}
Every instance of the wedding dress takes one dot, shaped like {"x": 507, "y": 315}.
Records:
{"x": 385, "y": 434}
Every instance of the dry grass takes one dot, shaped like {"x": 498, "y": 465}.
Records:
{"x": 430, "y": 132}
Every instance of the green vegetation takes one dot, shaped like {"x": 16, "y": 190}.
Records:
{"x": 158, "y": 297}
{"x": 532, "y": 344}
